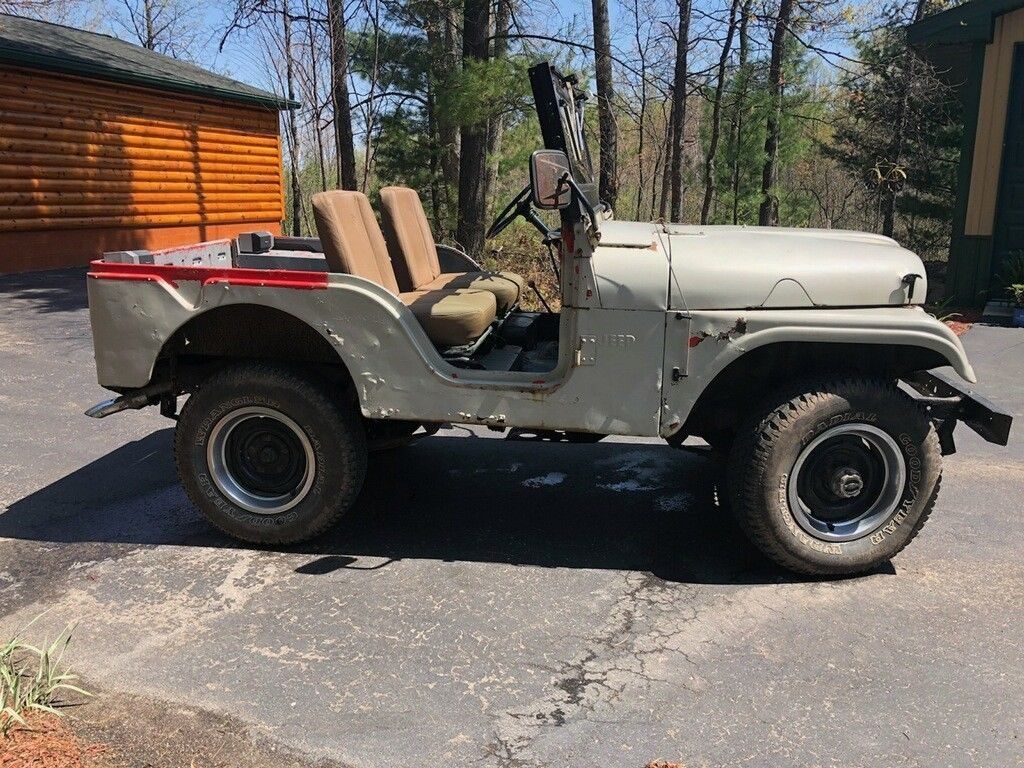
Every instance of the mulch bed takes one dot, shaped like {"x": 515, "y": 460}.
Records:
{"x": 963, "y": 322}
{"x": 47, "y": 742}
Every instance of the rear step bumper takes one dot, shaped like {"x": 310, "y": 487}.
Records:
{"x": 949, "y": 402}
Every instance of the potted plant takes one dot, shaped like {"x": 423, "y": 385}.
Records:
{"x": 1016, "y": 292}
{"x": 1015, "y": 286}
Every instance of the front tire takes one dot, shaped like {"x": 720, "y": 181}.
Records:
{"x": 270, "y": 455}
{"x": 836, "y": 477}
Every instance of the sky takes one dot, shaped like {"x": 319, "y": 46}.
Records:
{"x": 242, "y": 56}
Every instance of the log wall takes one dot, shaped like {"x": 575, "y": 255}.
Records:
{"x": 88, "y": 166}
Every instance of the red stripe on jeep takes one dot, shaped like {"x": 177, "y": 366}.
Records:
{"x": 267, "y": 278}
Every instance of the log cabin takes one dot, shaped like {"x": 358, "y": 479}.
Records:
{"x": 105, "y": 146}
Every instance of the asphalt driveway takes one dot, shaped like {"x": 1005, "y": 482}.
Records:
{"x": 495, "y": 603}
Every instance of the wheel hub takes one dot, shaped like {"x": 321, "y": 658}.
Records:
{"x": 261, "y": 460}
{"x": 846, "y": 482}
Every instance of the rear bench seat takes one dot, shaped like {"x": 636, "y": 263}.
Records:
{"x": 414, "y": 253}
{"x": 353, "y": 243}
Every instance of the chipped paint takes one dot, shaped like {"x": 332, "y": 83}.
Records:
{"x": 332, "y": 335}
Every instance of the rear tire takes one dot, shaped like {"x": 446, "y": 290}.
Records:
{"x": 836, "y": 477}
{"x": 270, "y": 455}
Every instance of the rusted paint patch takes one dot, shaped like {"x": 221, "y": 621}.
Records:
{"x": 738, "y": 329}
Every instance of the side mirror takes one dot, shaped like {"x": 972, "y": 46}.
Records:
{"x": 548, "y": 171}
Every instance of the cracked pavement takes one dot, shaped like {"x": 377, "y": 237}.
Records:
{"x": 494, "y": 603}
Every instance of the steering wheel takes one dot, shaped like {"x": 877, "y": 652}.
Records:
{"x": 520, "y": 206}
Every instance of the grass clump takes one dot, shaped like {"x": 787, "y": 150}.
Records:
{"x": 33, "y": 679}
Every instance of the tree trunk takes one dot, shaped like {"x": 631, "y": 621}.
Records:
{"x": 679, "y": 107}
{"x": 344, "y": 145}
{"x": 314, "y": 99}
{"x": 608, "y": 184}
{"x": 769, "y": 213}
{"x": 716, "y": 118}
{"x": 666, "y": 163}
{"x": 496, "y": 125}
{"x": 443, "y": 40}
{"x": 293, "y": 129}
{"x": 473, "y": 150}
{"x": 642, "y": 116}
{"x": 736, "y": 131}
{"x": 368, "y": 145}
{"x": 150, "y": 41}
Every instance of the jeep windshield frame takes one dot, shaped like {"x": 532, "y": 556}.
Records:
{"x": 560, "y": 103}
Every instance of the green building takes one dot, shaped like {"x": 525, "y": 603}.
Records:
{"x": 979, "y": 48}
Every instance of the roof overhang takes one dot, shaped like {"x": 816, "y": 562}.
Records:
{"x": 972, "y": 22}
{"x": 41, "y": 45}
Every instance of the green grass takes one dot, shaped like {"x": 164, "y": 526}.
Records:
{"x": 32, "y": 679}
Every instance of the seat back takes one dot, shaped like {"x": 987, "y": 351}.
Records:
{"x": 351, "y": 238}
{"x": 409, "y": 239}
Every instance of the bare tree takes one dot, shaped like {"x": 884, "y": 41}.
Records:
{"x": 769, "y": 212}
{"x": 910, "y": 67}
{"x": 716, "y": 116}
{"x": 739, "y": 107}
{"x": 293, "y": 127}
{"x": 343, "y": 139}
{"x": 679, "y": 94}
{"x": 313, "y": 99}
{"x": 608, "y": 179}
{"x": 164, "y": 26}
{"x": 58, "y": 11}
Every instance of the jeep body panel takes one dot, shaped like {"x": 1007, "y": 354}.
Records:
{"x": 397, "y": 371}
{"x": 609, "y": 377}
{"x": 726, "y": 267}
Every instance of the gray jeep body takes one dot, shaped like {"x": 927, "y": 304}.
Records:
{"x": 654, "y": 316}
{"x": 797, "y": 355}
{"x": 642, "y": 334}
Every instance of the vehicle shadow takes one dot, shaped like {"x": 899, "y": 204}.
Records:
{"x": 617, "y": 506}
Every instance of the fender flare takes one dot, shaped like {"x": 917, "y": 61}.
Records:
{"x": 727, "y": 336}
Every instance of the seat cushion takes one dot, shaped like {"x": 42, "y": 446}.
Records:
{"x": 351, "y": 237}
{"x": 452, "y": 318}
{"x": 408, "y": 237}
{"x": 507, "y": 287}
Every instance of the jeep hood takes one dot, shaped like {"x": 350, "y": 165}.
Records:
{"x": 726, "y": 267}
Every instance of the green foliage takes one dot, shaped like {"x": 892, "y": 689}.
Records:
{"x": 485, "y": 89}
{"x": 1013, "y": 268}
{"x": 799, "y": 109}
{"x": 1013, "y": 276}
{"x": 899, "y": 130}
{"x": 31, "y": 679}
{"x": 1016, "y": 291}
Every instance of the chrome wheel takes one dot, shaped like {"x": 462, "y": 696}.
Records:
{"x": 846, "y": 482}
{"x": 261, "y": 460}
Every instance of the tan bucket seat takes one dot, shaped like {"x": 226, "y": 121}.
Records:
{"x": 353, "y": 244}
{"x": 414, "y": 254}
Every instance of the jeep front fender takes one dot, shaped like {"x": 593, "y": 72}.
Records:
{"x": 716, "y": 339}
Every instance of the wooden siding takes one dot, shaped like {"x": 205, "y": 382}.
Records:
{"x": 88, "y": 166}
{"x": 988, "y": 141}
